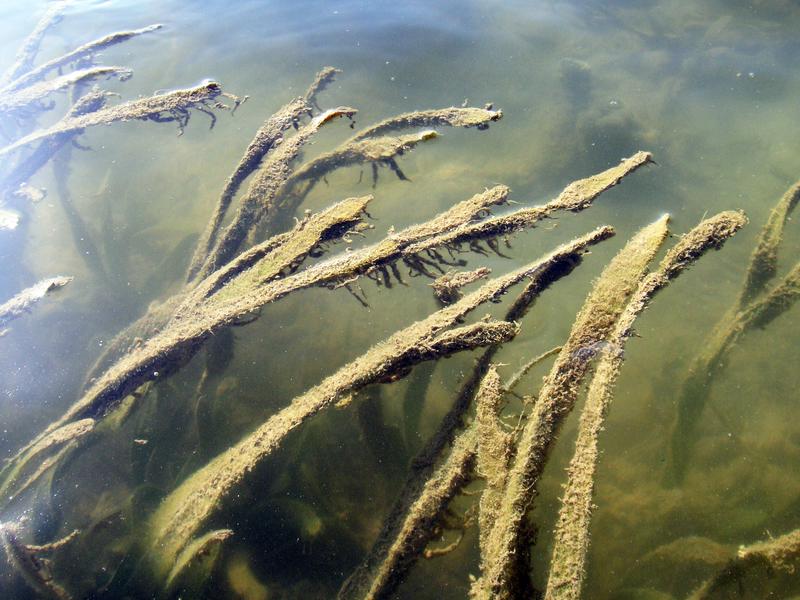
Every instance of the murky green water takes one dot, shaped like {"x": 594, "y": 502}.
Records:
{"x": 710, "y": 88}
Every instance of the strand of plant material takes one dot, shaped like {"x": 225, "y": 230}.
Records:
{"x": 205, "y": 546}
{"x": 176, "y": 523}
{"x": 430, "y": 486}
{"x": 340, "y": 271}
{"x": 25, "y": 559}
{"x": 755, "y": 307}
{"x": 494, "y": 455}
{"x": 344, "y": 268}
{"x": 576, "y": 197}
{"x": 254, "y": 286}
{"x": 202, "y": 314}
{"x": 405, "y": 531}
{"x": 365, "y": 147}
{"x": 82, "y": 237}
{"x": 775, "y": 555}
{"x": 182, "y": 337}
{"x": 571, "y": 539}
{"x": 504, "y": 556}
{"x": 450, "y": 117}
{"x": 81, "y": 53}
{"x": 764, "y": 260}
{"x": 696, "y": 388}
{"x": 376, "y": 151}
{"x": 161, "y": 108}
{"x": 261, "y": 193}
{"x": 24, "y": 98}
{"x": 514, "y": 380}
{"x": 266, "y": 138}
{"x": 26, "y": 55}
{"x": 186, "y": 510}
{"x": 24, "y": 301}
{"x": 24, "y": 171}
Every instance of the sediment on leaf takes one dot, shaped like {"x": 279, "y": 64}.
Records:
{"x": 780, "y": 554}
{"x": 25, "y": 559}
{"x": 504, "y": 562}
{"x": 450, "y": 117}
{"x": 756, "y": 306}
{"x": 184, "y": 327}
{"x": 12, "y": 472}
{"x": 571, "y": 539}
{"x": 376, "y": 151}
{"x": 447, "y": 287}
{"x": 90, "y": 102}
{"x": 707, "y": 365}
{"x": 764, "y": 260}
{"x": 190, "y": 506}
{"x": 577, "y": 196}
{"x": 495, "y": 451}
{"x": 201, "y": 313}
{"x": 404, "y": 537}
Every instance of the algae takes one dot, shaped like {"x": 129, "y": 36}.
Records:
{"x": 434, "y": 480}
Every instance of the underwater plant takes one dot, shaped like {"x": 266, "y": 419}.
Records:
{"x": 167, "y": 529}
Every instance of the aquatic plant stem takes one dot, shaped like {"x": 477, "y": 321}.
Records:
{"x": 188, "y": 508}
{"x": 81, "y": 53}
{"x": 755, "y": 307}
{"x": 172, "y": 106}
{"x": 505, "y": 549}
{"x": 429, "y": 487}
{"x": 570, "y": 547}
{"x": 266, "y": 138}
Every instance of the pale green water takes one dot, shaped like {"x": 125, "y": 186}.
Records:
{"x": 711, "y": 88}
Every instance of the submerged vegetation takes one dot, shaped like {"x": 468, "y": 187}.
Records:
{"x": 158, "y": 400}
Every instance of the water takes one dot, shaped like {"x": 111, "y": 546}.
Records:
{"x": 709, "y": 87}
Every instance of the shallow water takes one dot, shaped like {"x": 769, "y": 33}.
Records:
{"x": 710, "y": 88}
